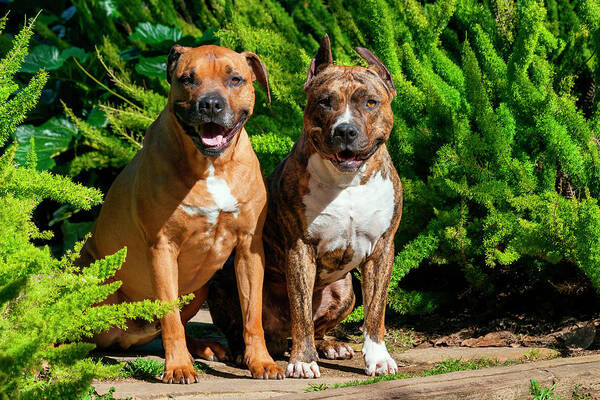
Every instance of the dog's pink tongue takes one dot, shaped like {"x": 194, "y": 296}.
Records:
{"x": 213, "y": 141}
{"x": 352, "y": 163}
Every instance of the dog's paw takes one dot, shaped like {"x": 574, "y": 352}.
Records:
{"x": 207, "y": 350}
{"x": 333, "y": 350}
{"x": 377, "y": 359}
{"x": 265, "y": 370}
{"x": 179, "y": 374}
{"x": 381, "y": 367}
{"x": 303, "y": 370}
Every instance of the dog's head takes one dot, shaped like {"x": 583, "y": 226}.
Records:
{"x": 348, "y": 113}
{"x": 211, "y": 93}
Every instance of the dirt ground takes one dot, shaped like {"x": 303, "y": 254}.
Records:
{"x": 413, "y": 351}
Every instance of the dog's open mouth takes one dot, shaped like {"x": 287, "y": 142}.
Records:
{"x": 213, "y": 135}
{"x": 347, "y": 160}
{"x": 212, "y": 138}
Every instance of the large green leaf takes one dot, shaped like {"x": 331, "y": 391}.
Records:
{"x": 51, "y": 138}
{"x": 97, "y": 118}
{"x": 76, "y": 52}
{"x": 47, "y": 19}
{"x": 153, "y": 67}
{"x": 42, "y": 56}
{"x": 155, "y": 34}
{"x": 50, "y": 58}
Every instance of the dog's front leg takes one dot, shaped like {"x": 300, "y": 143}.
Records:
{"x": 178, "y": 361}
{"x": 300, "y": 275}
{"x": 249, "y": 271}
{"x": 376, "y": 273}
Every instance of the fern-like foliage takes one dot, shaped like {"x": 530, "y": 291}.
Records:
{"x": 46, "y": 304}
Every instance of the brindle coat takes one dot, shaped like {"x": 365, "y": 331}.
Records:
{"x": 308, "y": 288}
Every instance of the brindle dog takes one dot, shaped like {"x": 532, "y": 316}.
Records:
{"x": 335, "y": 204}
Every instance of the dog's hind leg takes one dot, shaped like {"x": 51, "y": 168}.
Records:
{"x": 276, "y": 318}
{"x": 138, "y": 332}
{"x": 336, "y": 302}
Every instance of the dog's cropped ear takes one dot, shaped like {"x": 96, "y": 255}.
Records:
{"x": 174, "y": 54}
{"x": 376, "y": 64}
{"x": 259, "y": 71}
{"x": 321, "y": 60}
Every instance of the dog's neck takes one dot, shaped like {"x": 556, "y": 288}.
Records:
{"x": 187, "y": 158}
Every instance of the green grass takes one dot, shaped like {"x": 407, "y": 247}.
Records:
{"x": 142, "y": 368}
{"x": 447, "y": 366}
{"x": 93, "y": 395}
{"x": 318, "y": 387}
{"x": 543, "y": 393}
{"x": 201, "y": 367}
{"x": 532, "y": 354}
{"x": 443, "y": 367}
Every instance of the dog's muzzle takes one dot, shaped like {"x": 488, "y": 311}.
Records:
{"x": 345, "y": 157}
{"x": 211, "y": 138}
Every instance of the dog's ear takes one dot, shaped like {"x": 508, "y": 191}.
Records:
{"x": 321, "y": 60}
{"x": 174, "y": 54}
{"x": 376, "y": 64}
{"x": 259, "y": 71}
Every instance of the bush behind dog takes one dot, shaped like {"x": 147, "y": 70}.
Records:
{"x": 496, "y": 125}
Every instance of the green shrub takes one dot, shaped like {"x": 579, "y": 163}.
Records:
{"x": 46, "y": 303}
{"x": 496, "y": 119}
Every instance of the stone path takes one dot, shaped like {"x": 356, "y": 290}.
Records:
{"x": 224, "y": 381}
{"x": 501, "y": 354}
{"x": 502, "y": 383}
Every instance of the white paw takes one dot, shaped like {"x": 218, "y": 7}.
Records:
{"x": 377, "y": 359}
{"x": 303, "y": 370}
{"x": 338, "y": 351}
{"x": 345, "y": 352}
{"x": 331, "y": 354}
{"x": 381, "y": 367}
{"x": 342, "y": 354}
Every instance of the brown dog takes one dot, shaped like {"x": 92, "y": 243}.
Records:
{"x": 192, "y": 195}
{"x": 335, "y": 204}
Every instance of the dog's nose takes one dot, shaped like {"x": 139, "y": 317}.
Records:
{"x": 346, "y": 132}
{"x": 211, "y": 105}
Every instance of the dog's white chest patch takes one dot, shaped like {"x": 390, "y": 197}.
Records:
{"x": 343, "y": 213}
{"x": 221, "y": 196}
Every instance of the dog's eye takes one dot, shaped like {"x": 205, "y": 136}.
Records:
{"x": 325, "y": 103}
{"x": 235, "y": 81}
{"x": 186, "y": 80}
{"x": 372, "y": 103}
